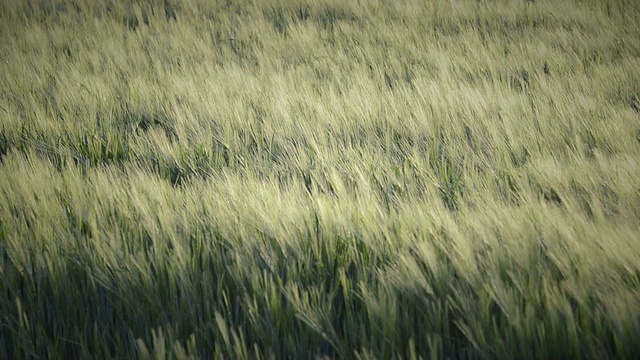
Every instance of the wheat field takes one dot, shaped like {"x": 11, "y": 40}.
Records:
{"x": 280, "y": 179}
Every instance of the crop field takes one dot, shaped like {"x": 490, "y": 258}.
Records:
{"x": 276, "y": 179}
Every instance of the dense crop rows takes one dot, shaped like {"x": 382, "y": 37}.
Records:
{"x": 300, "y": 179}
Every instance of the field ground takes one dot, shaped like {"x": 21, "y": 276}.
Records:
{"x": 342, "y": 179}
